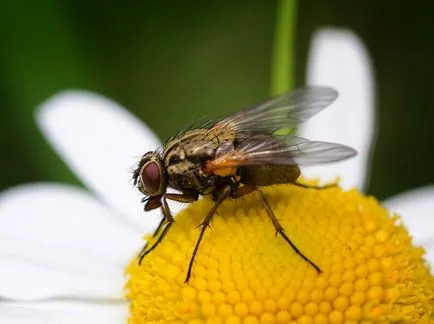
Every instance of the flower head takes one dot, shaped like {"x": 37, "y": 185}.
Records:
{"x": 244, "y": 273}
{"x": 59, "y": 241}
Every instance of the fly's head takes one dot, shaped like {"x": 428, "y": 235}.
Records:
{"x": 150, "y": 175}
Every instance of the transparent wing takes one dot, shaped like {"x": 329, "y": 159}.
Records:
{"x": 284, "y": 111}
{"x": 281, "y": 150}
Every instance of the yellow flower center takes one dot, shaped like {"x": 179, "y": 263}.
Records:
{"x": 244, "y": 273}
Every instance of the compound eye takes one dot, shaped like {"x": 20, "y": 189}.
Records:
{"x": 151, "y": 178}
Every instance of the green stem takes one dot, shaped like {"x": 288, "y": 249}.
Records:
{"x": 282, "y": 67}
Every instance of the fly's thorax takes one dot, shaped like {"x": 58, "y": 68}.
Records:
{"x": 198, "y": 142}
{"x": 182, "y": 175}
{"x": 185, "y": 157}
{"x": 187, "y": 175}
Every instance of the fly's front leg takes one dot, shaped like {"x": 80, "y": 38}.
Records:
{"x": 167, "y": 220}
{"x": 160, "y": 225}
{"x": 151, "y": 203}
{"x": 187, "y": 196}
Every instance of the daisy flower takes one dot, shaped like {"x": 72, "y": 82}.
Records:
{"x": 67, "y": 255}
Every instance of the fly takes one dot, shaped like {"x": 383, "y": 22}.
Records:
{"x": 234, "y": 156}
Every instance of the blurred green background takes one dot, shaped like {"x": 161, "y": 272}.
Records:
{"x": 195, "y": 58}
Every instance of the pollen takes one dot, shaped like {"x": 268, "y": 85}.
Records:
{"x": 245, "y": 273}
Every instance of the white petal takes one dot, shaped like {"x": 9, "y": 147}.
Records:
{"x": 57, "y": 240}
{"x": 416, "y": 208}
{"x": 339, "y": 59}
{"x": 429, "y": 255}
{"x": 101, "y": 142}
{"x": 65, "y": 312}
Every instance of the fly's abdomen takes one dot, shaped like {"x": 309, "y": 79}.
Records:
{"x": 266, "y": 175}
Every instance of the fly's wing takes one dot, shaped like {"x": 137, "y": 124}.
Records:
{"x": 280, "y": 150}
{"x": 280, "y": 112}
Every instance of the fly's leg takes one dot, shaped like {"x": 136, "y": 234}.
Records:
{"x": 244, "y": 190}
{"x": 153, "y": 203}
{"x": 279, "y": 230}
{"x": 314, "y": 187}
{"x": 160, "y": 225}
{"x": 186, "y": 196}
{"x": 167, "y": 220}
{"x": 241, "y": 191}
{"x": 223, "y": 195}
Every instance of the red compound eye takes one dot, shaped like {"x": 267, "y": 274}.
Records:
{"x": 151, "y": 177}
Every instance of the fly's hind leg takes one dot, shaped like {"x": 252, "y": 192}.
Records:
{"x": 301, "y": 185}
{"x": 279, "y": 230}
{"x": 241, "y": 191}
{"x": 244, "y": 190}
